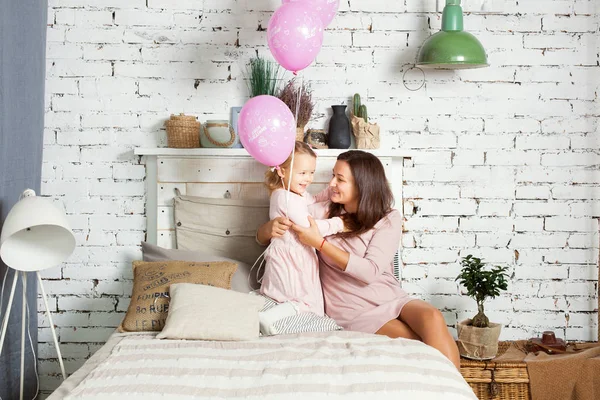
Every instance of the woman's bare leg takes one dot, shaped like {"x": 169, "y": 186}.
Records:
{"x": 396, "y": 328}
{"x": 428, "y": 322}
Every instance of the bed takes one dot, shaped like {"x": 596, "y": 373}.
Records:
{"x": 343, "y": 364}
{"x": 326, "y": 364}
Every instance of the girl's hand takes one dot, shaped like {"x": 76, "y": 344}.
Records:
{"x": 309, "y": 236}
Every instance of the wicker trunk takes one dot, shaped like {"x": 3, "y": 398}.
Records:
{"x": 497, "y": 380}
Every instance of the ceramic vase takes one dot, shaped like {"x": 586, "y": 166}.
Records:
{"x": 339, "y": 129}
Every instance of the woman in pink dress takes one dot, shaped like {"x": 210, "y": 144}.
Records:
{"x": 356, "y": 266}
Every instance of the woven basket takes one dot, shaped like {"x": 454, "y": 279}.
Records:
{"x": 497, "y": 380}
{"x": 183, "y": 131}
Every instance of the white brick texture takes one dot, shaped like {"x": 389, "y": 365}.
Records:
{"x": 506, "y": 165}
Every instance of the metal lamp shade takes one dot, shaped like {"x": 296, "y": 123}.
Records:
{"x": 35, "y": 235}
{"x": 452, "y": 48}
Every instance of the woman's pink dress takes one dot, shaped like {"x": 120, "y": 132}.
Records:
{"x": 292, "y": 268}
{"x": 367, "y": 294}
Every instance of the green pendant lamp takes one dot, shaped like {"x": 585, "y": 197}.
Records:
{"x": 452, "y": 48}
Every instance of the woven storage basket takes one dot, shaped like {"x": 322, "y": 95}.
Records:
{"x": 497, "y": 380}
{"x": 183, "y": 131}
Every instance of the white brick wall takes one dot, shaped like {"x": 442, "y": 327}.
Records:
{"x": 508, "y": 155}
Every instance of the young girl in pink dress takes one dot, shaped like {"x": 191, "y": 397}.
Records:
{"x": 291, "y": 274}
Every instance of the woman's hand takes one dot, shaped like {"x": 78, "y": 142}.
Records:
{"x": 279, "y": 226}
{"x": 309, "y": 236}
{"x": 274, "y": 228}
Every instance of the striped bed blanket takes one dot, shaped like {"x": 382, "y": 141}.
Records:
{"x": 333, "y": 365}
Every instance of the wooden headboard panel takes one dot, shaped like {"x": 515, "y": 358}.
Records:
{"x": 226, "y": 173}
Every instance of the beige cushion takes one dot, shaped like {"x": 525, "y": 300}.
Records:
{"x": 243, "y": 280}
{"x": 151, "y": 281}
{"x": 221, "y": 227}
{"x": 201, "y": 312}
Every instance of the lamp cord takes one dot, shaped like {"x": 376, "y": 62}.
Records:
{"x": 37, "y": 377}
{"x": 414, "y": 66}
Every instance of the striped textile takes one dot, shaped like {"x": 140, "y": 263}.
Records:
{"x": 333, "y": 365}
{"x": 300, "y": 323}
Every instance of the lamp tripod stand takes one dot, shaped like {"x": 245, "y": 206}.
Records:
{"x": 35, "y": 236}
{"x": 24, "y": 322}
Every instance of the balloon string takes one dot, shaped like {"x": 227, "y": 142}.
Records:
{"x": 299, "y": 97}
{"x": 291, "y": 172}
{"x": 290, "y": 177}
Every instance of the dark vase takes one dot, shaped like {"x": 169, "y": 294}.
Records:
{"x": 339, "y": 129}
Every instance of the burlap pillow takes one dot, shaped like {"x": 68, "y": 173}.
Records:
{"x": 151, "y": 281}
{"x": 244, "y": 279}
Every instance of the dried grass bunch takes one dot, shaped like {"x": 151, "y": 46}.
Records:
{"x": 289, "y": 95}
{"x": 263, "y": 77}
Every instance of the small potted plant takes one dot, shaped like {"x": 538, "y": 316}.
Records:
{"x": 289, "y": 95}
{"x": 365, "y": 133}
{"x": 478, "y": 337}
{"x": 263, "y": 77}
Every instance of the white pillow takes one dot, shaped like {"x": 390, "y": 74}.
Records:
{"x": 201, "y": 312}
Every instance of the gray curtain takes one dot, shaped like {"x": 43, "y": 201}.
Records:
{"x": 22, "y": 77}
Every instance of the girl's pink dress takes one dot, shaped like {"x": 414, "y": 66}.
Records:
{"x": 292, "y": 268}
{"x": 366, "y": 295}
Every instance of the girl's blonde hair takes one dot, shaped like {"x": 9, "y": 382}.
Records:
{"x": 272, "y": 180}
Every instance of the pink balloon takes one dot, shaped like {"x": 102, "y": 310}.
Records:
{"x": 295, "y": 36}
{"x": 326, "y": 9}
{"x": 267, "y": 129}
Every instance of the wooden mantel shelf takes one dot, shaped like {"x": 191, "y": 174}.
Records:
{"x": 214, "y": 152}
{"x": 230, "y": 173}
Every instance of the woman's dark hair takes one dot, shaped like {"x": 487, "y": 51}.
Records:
{"x": 375, "y": 198}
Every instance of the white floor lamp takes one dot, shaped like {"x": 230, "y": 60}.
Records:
{"x": 35, "y": 236}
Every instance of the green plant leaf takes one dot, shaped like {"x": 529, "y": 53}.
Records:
{"x": 263, "y": 77}
{"x": 481, "y": 284}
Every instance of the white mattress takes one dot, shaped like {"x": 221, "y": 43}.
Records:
{"x": 332, "y": 365}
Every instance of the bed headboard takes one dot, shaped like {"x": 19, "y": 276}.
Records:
{"x": 227, "y": 173}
